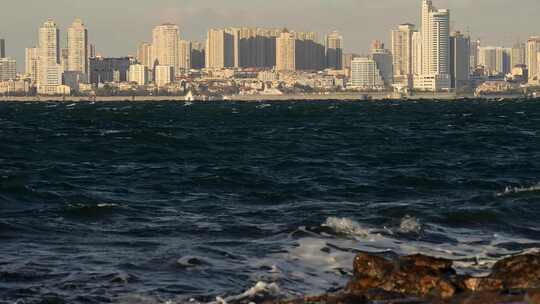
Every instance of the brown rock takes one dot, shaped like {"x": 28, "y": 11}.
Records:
{"x": 372, "y": 266}
{"x": 482, "y": 284}
{"x": 518, "y": 272}
{"x": 437, "y": 265}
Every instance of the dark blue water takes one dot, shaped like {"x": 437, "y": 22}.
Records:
{"x": 155, "y": 202}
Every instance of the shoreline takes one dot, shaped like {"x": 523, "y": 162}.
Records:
{"x": 376, "y": 96}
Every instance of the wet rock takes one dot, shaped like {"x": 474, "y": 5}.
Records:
{"x": 419, "y": 279}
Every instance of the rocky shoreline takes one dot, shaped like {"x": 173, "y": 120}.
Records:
{"x": 420, "y": 279}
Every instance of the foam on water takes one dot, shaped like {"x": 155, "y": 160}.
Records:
{"x": 518, "y": 190}
{"x": 346, "y": 226}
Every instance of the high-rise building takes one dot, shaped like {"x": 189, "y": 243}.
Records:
{"x": 365, "y": 74}
{"x": 286, "y": 52}
{"x": 64, "y": 57}
{"x": 475, "y": 54}
{"x": 257, "y": 47}
{"x": 8, "y": 69}
{"x": 50, "y": 70}
{"x": 495, "y": 60}
{"x": 92, "y": 51}
{"x": 104, "y": 70}
{"x": 220, "y": 49}
{"x": 31, "y": 63}
{"x": 309, "y": 51}
{"x": 417, "y": 53}
{"x": 533, "y": 48}
{"x": 2, "y": 48}
{"x": 383, "y": 60}
{"x": 334, "y": 51}
{"x": 164, "y": 75}
{"x": 435, "y": 49}
{"x": 197, "y": 55}
{"x": 518, "y": 57}
{"x": 184, "y": 55}
{"x": 460, "y": 59}
{"x": 138, "y": 74}
{"x": 165, "y": 41}
{"x": 402, "y": 54}
{"x": 144, "y": 55}
{"x": 77, "y": 43}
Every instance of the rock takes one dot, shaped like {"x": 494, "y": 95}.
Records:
{"x": 415, "y": 275}
{"x": 482, "y": 284}
{"x": 518, "y": 272}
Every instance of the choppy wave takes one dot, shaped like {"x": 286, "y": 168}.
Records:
{"x": 157, "y": 202}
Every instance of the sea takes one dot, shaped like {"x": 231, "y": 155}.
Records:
{"x": 239, "y": 202}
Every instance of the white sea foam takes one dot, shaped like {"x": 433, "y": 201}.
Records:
{"x": 410, "y": 224}
{"x": 261, "y": 288}
{"x": 517, "y": 190}
{"x": 346, "y": 226}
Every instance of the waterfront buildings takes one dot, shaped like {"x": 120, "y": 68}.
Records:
{"x": 256, "y": 47}
{"x": 104, "y": 70}
{"x": 533, "y": 48}
{"x": 334, "y": 51}
{"x": 50, "y": 70}
{"x": 495, "y": 60}
{"x": 460, "y": 54}
{"x": 144, "y": 55}
{"x": 138, "y": 73}
{"x": 365, "y": 74}
{"x": 220, "y": 49}
{"x": 518, "y": 54}
{"x": 8, "y": 69}
{"x": 197, "y": 55}
{"x": 184, "y": 55}
{"x": 163, "y": 75}
{"x": 77, "y": 48}
{"x": 402, "y": 54}
{"x": 31, "y": 63}
{"x": 165, "y": 43}
{"x": 383, "y": 59}
{"x": 435, "y": 33}
{"x": 286, "y": 52}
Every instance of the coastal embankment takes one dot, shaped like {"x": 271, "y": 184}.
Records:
{"x": 255, "y": 98}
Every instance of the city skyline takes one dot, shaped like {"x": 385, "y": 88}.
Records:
{"x": 116, "y": 35}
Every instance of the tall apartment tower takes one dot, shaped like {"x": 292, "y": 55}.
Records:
{"x": 518, "y": 55}
{"x": 435, "y": 48}
{"x": 197, "y": 55}
{"x": 402, "y": 54}
{"x": 533, "y": 48}
{"x": 220, "y": 49}
{"x": 184, "y": 55}
{"x": 475, "y": 54}
{"x": 31, "y": 63}
{"x": 144, "y": 55}
{"x": 77, "y": 43}
{"x": 334, "y": 51}
{"x": 50, "y": 70}
{"x": 2, "y": 48}
{"x": 165, "y": 40}
{"x": 460, "y": 54}
{"x": 417, "y": 53}
{"x": 286, "y": 52}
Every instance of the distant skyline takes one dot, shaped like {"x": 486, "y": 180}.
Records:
{"x": 117, "y": 26}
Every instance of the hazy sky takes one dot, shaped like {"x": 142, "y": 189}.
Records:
{"x": 116, "y": 26}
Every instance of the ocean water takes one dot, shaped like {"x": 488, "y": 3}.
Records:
{"x": 235, "y": 202}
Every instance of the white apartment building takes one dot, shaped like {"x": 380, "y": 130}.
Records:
{"x": 365, "y": 74}
{"x": 50, "y": 70}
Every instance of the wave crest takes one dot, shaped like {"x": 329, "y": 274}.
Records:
{"x": 346, "y": 226}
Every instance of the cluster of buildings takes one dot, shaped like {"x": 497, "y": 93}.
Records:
{"x": 271, "y": 61}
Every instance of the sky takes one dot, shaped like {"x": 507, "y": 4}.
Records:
{"x": 117, "y": 26}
